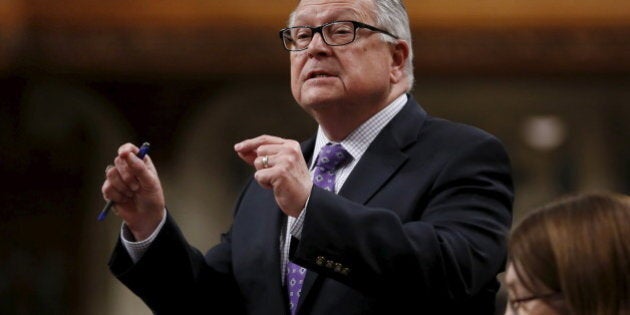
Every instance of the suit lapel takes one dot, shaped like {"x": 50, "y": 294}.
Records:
{"x": 378, "y": 164}
{"x": 385, "y": 154}
{"x": 383, "y": 158}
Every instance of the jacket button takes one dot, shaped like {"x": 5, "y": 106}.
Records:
{"x": 329, "y": 263}
{"x": 338, "y": 267}
{"x": 320, "y": 260}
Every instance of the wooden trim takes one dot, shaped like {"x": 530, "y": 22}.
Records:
{"x": 217, "y": 51}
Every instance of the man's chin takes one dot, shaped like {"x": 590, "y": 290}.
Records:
{"x": 318, "y": 105}
{"x": 315, "y": 98}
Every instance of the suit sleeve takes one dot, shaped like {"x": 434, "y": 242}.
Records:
{"x": 175, "y": 278}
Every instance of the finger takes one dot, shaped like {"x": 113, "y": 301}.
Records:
{"x": 248, "y": 157}
{"x": 111, "y": 193}
{"x": 114, "y": 180}
{"x": 262, "y": 162}
{"x": 272, "y": 152}
{"x": 128, "y": 147}
{"x": 264, "y": 178}
{"x": 249, "y": 150}
{"x": 250, "y": 145}
{"x": 125, "y": 173}
{"x": 272, "y": 175}
{"x": 270, "y": 149}
{"x": 143, "y": 170}
{"x": 287, "y": 147}
{"x": 148, "y": 162}
{"x": 115, "y": 210}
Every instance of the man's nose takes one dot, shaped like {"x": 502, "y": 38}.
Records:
{"x": 317, "y": 44}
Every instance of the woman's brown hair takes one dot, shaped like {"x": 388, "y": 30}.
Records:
{"x": 579, "y": 247}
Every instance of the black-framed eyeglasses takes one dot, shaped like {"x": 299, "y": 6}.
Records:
{"x": 337, "y": 33}
{"x": 516, "y": 304}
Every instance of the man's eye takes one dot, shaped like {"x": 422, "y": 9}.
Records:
{"x": 303, "y": 36}
{"x": 343, "y": 31}
{"x": 340, "y": 30}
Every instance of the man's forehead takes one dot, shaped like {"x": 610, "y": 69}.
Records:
{"x": 328, "y": 10}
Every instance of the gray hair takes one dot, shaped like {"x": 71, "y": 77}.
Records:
{"x": 391, "y": 15}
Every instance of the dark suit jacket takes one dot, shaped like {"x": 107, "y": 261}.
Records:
{"x": 419, "y": 227}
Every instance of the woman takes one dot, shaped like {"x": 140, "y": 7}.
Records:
{"x": 572, "y": 257}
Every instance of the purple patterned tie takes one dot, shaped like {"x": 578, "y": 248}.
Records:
{"x": 331, "y": 157}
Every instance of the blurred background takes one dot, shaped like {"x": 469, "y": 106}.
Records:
{"x": 80, "y": 77}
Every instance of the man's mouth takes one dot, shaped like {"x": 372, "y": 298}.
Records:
{"x": 318, "y": 74}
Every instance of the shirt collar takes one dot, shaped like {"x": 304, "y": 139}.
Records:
{"x": 357, "y": 142}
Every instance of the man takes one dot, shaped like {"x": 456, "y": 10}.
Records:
{"x": 412, "y": 218}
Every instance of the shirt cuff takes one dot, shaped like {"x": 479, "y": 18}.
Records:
{"x": 296, "y": 228}
{"x": 137, "y": 248}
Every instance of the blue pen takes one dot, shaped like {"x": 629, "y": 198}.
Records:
{"x": 144, "y": 149}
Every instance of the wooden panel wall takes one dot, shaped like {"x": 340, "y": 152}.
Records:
{"x": 208, "y": 38}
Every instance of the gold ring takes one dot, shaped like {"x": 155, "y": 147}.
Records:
{"x": 265, "y": 161}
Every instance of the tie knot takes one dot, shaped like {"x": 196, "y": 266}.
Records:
{"x": 332, "y": 156}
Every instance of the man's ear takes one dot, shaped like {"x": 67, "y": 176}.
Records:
{"x": 400, "y": 55}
